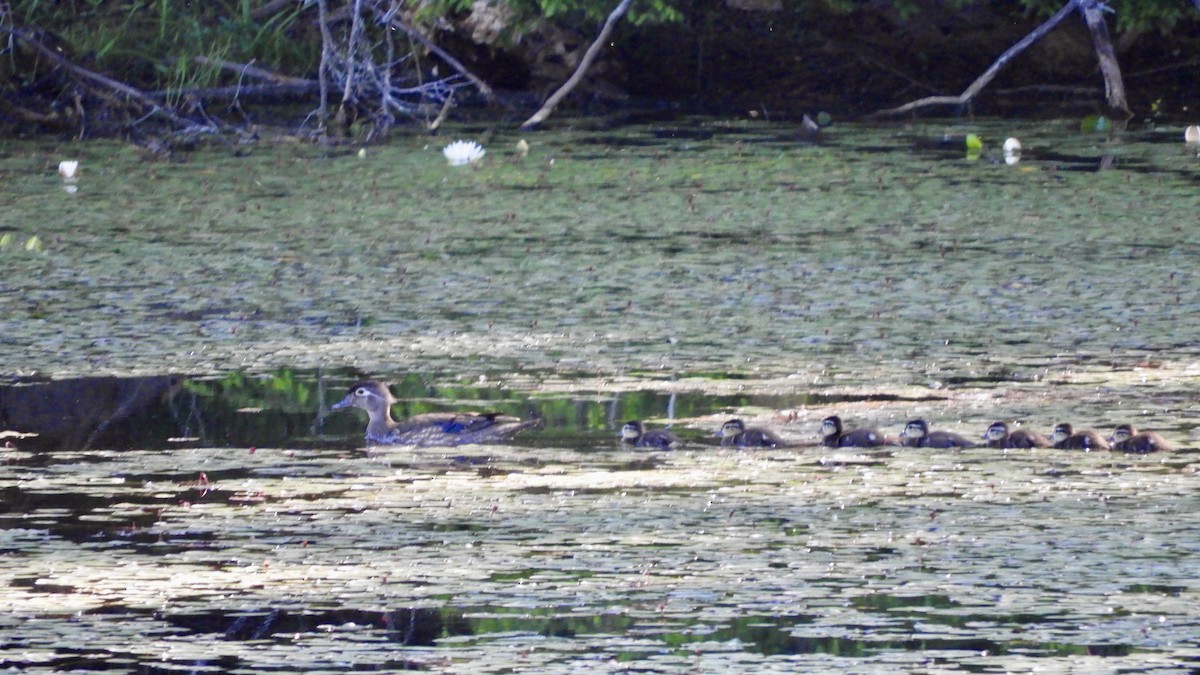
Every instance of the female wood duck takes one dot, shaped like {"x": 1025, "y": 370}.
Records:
{"x": 1126, "y": 438}
{"x": 1066, "y": 438}
{"x": 917, "y": 435}
{"x": 636, "y": 435}
{"x": 735, "y": 433}
{"x": 832, "y": 435}
{"x": 429, "y": 429}
{"x": 1001, "y": 435}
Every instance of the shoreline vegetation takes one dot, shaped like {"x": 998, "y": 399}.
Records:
{"x": 161, "y": 73}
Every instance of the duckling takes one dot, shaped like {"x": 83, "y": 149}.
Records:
{"x": 734, "y": 432}
{"x": 1126, "y": 438}
{"x": 834, "y": 437}
{"x": 917, "y": 435}
{"x": 1066, "y": 438}
{"x": 1001, "y": 435}
{"x": 636, "y": 435}
{"x": 429, "y": 429}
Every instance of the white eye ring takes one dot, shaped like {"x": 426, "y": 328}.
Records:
{"x": 361, "y": 391}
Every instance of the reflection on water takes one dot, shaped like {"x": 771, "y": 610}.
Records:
{"x": 290, "y": 409}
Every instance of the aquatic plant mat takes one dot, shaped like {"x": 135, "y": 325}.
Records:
{"x": 879, "y": 275}
{"x": 707, "y": 560}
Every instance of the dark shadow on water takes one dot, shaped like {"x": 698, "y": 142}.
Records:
{"x": 93, "y": 412}
{"x": 409, "y": 626}
{"x": 769, "y": 635}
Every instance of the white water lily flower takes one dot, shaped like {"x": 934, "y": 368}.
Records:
{"x": 1012, "y": 151}
{"x": 459, "y": 153}
{"x": 68, "y": 168}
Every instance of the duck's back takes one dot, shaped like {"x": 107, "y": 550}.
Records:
{"x": 755, "y": 438}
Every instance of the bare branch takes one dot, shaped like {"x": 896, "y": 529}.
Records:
{"x": 252, "y": 71}
{"x": 323, "y": 69}
{"x": 443, "y": 55}
{"x": 259, "y": 91}
{"x": 260, "y": 13}
{"x": 983, "y": 80}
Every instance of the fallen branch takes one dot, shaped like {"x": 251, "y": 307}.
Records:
{"x": 83, "y": 74}
{"x": 260, "y": 13}
{"x": 590, "y": 55}
{"x": 256, "y": 91}
{"x": 252, "y": 71}
{"x": 983, "y": 80}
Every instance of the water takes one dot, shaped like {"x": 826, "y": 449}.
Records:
{"x": 190, "y": 505}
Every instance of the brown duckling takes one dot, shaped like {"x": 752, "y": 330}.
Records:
{"x": 833, "y": 435}
{"x": 1001, "y": 435}
{"x": 429, "y": 429}
{"x": 917, "y": 435}
{"x": 1126, "y": 438}
{"x": 635, "y": 434}
{"x": 1066, "y": 438}
{"x": 734, "y": 432}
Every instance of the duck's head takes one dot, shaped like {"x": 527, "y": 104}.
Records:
{"x": 1062, "y": 432}
{"x": 1122, "y": 433}
{"x": 915, "y": 429}
{"x": 369, "y": 395}
{"x": 831, "y": 425}
{"x": 732, "y": 428}
{"x": 997, "y": 432}
{"x": 631, "y": 431}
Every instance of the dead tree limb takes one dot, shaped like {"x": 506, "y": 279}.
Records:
{"x": 343, "y": 116}
{"x": 252, "y": 71}
{"x": 274, "y": 90}
{"x": 983, "y": 80}
{"x": 266, "y": 10}
{"x": 454, "y": 63}
{"x": 1114, "y": 86}
{"x": 590, "y": 55}
{"x": 323, "y": 69}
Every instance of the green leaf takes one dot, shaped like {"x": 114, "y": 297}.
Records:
{"x": 1095, "y": 123}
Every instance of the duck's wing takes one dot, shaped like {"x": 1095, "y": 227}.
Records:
{"x": 948, "y": 439}
{"x": 657, "y": 438}
{"x": 762, "y": 438}
{"x": 861, "y": 438}
{"x": 460, "y": 428}
{"x": 1022, "y": 438}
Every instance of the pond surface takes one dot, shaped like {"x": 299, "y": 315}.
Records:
{"x": 173, "y": 334}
